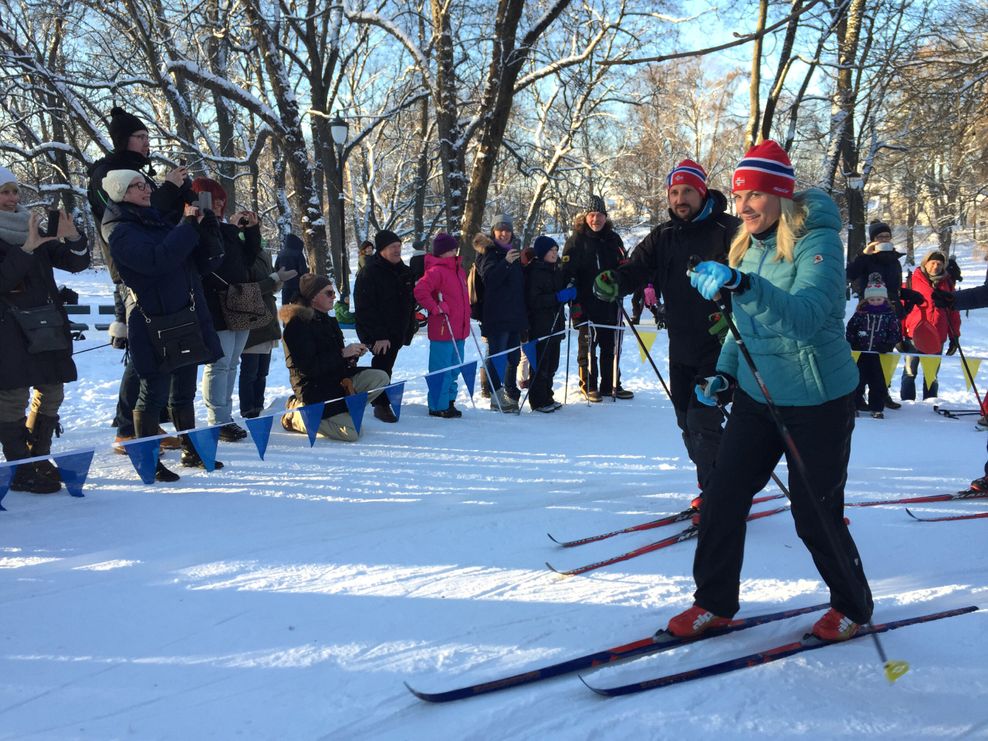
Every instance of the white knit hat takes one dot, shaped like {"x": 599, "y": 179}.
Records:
{"x": 6, "y": 176}
{"x": 116, "y": 183}
{"x": 875, "y": 287}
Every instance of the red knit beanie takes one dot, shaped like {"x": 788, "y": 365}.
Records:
{"x": 689, "y": 173}
{"x": 766, "y": 168}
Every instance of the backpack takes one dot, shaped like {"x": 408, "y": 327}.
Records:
{"x": 475, "y": 289}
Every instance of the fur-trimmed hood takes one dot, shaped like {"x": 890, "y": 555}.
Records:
{"x": 289, "y": 311}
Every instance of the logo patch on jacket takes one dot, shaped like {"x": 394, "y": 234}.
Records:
{"x": 817, "y": 259}
{"x": 565, "y": 258}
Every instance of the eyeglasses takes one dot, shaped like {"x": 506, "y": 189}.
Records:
{"x": 143, "y": 185}
{"x": 328, "y": 292}
{"x": 140, "y": 137}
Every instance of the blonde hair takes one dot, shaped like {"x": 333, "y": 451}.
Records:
{"x": 792, "y": 222}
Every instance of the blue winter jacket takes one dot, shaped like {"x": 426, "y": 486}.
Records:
{"x": 792, "y": 316}
{"x": 161, "y": 264}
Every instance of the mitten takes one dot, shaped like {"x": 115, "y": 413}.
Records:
{"x": 605, "y": 286}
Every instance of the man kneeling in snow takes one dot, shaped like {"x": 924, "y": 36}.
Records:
{"x": 320, "y": 366}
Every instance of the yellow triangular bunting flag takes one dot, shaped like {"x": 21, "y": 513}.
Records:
{"x": 855, "y": 354}
{"x": 889, "y": 362}
{"x": 648, "y": 339}
{"x": 972, "y": 365}
{"x": 930, "y": 368}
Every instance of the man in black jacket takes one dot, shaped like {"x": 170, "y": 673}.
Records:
{"x": 698, "y": 225}
{"x": 131, "y": 151}
{"x": 385, "y": 309}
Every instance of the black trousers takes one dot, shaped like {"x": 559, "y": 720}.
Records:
{"x": 700, "y": 424}
{"x": 748, "y": 453}
{"x": 540, "y": 384}
{"x": 386, "y": 362}
{"x": 872, "y": 376}
{"x": 593, "y": 341}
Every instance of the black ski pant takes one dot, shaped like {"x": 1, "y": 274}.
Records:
{"x": 749, "y": 451}
{"x": 591, "y": 342}
{"x": 872, "y": 376}
{"x": 540, "y": 383}
{"x": 700, "y": 424}
{"x": 385, "y": 362}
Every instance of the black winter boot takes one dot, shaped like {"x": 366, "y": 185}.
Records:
{"x": 42, "y": 427}
{"x": 146, "y": 427}
{"x": 14, "y": 438}
{"x": 185, "y": 419}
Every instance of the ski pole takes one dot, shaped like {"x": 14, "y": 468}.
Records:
{"x": 483, "y": 358}
{"x": 967, "y": 371}
{"x": 90, "y": 349}
{"x": 459, "y": 358}
{"x": 538, "y": 359}
{"x": 893, "y": 669}
{"x": 569, "y": 337}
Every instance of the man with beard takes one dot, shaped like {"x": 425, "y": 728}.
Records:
{"x": 698, "y": 225}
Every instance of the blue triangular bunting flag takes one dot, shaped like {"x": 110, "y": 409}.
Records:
{"x": 205, "y": 441}
{"x": 312, "y": 416}
{"x": 500, "y": 363}
{"x": 395, "y": 395}
{"x": 469, "y": 373}
{"x": 260, "y": 432}
{"x": 435, "y": 382}
{"x": 74, "y": 468}
{"x": 529, "y": 349}
{"x": 356, "y": 403}
{"x": 144, "y": 456}
{"x": 6, "y": 474}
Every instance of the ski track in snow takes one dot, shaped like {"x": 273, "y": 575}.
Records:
{"x": 291, "y": 597}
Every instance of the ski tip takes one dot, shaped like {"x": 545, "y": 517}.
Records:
{"x": 590, "y": 687}
{"x": 908, "y": 512}
{"x": 554, "y": 570}
{"x": 549, "y": 536}
{"x": 415, "y": 691}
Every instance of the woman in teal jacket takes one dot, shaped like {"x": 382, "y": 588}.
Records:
{"x": 786, "y": 277}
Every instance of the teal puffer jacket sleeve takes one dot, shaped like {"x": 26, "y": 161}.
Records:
{"x": 792, "y": 315}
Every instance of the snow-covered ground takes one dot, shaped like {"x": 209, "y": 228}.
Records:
{"x": 290, "y": 598}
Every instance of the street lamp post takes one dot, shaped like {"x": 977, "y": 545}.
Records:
{"x": 340, "y": 130}
{"x": 855, "y": 213}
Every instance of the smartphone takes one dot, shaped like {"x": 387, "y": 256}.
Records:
{"x": 205, "y": 201}
{"x": 183, "y": 162}
{"x": 52, "y": 228}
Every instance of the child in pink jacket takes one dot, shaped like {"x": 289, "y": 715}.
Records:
{"x": 442, "y": 291}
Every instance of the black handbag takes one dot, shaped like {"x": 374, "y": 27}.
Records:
{"x": 176, "y": 338}
{"x": 43, "y": 328}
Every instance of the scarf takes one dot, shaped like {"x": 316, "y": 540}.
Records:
{"x": 13, "y": 226}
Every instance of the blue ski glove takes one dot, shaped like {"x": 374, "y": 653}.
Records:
{"x": 706, "y": 392}
{"x": 710, "y": 277}
{"x": 566, "y": 295}
{"x": 605, "y": 286}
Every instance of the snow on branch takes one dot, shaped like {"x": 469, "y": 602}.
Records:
{"x": 221, "y": 86}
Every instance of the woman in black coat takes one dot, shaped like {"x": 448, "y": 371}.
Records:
{"x": 321, "y": 367}
{"x": 593, "y": 247}
{"x": 504, "y": 319}
{"x": 161, "y": 265}
{"x": 27, "y": 282}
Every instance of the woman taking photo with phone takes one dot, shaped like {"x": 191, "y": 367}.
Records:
{"x": 169, "y": 329}
{"x": 34, "y": 334}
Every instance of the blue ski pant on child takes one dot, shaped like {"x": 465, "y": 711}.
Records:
{"x": 443, "y": 354}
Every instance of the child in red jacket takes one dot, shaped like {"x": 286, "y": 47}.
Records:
{"x": 442, "y": 291}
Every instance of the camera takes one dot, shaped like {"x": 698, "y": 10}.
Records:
{"x": 52, "y": 227}
{"x": 243, "y": 221}
{"x": 205, "y": 201}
